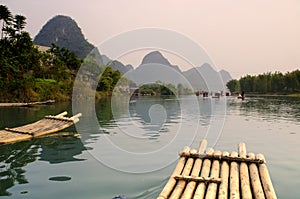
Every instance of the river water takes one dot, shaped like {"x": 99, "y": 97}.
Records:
{"x": 132, "y": 148}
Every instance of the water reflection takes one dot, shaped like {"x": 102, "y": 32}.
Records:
{"x": 205, "y": 105}
{"x": 271, "y": 108}
{"x": 152, "y": 114}
{"x": 147, "y": 117}
{"x": 14, "y": 157}
{"x": 142, "y": 108}
{"x": 104, "y": 112}
{"x": 17, "y": 116}
{"x": 12, "y": 160}
{"x": 155, "y": 114}
{"x": 18, "y": 162}
{"x": 60, "y": 149}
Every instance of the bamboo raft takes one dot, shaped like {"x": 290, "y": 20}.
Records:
{"x": 47, "y": 125}
{"x": 25, "y": 104}
{"x": 205, "y": 173}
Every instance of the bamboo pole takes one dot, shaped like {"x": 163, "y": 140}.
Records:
{"x": 172, "y": 181}
{"x": 244, "y": 173}
{"x": 186, "y": 171}
{"x": 199, "y": 179}
{"x": 266, "y": 180}
{"x": 189, "y": 190}
{"x": 200, "y": 191}
{"x": 221, "y": 157}
{"x": 215, "y": 172}
{"x": 76, "y": 116}
{"x": 181, "y": 183}
{"x": 62, "y": 114}
{"x": 258, "y": 191}
{"x": 223, "y": 189}
{"x": 9, "y": 137}
{"x": 234, "y": 178}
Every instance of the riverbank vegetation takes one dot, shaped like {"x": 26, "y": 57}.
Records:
{"x": 162, "y": 89}
{"x": 268, "y": 83}
{"x": 29, "y": 74}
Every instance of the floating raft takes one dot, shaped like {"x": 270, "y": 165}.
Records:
{"x": 26, "y": 104}
{"x": 47, "y": 125}
{"x": 209, "y": 174}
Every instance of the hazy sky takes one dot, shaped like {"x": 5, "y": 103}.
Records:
{"x": 243, "y": 37}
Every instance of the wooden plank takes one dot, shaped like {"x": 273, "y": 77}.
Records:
{"x": 234, "y": 179}
{"x": 223, "y": 189}
{"x": 215, "y": 172}
{"x": 244, "y": 174}
{"x": 258, "y": 191}
{"x": 191, "y": 186}
{"x": 266, "y": 180}
{"x": 172, "y": 181}
{"x": 200, "y": 190}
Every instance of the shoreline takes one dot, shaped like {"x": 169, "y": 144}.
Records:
{"x": 22, "y": 104}
{"x": 273, "y": 94}
{"x": 101, "y": 95}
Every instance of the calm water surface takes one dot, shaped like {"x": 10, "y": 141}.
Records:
{"x": 144, "y": 139}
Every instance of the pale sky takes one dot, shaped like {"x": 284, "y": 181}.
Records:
{"x": 242, "y": 37}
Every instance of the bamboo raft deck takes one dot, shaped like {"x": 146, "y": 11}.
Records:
{"x": 47, "y": 125}
{"x": 209, "y": 174}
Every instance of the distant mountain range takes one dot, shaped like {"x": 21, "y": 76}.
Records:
{"x": 157, "y": 57}
{"x": 155, "y": 67}
{"x": 64, "y": 32}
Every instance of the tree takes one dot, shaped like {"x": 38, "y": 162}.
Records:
{"x": 66, "y": 56}
{"x": 19, "y": 23}
{"x": 180, "y": 89}
{"x": 292, "y": 82}
{"x": 262, "y": 85}
{"x": 268, "y": 82}
{"x": 6, "y": 17}
{"x": 108, "y": 80}
{"x": 233, "y": 85}
{"x": 277, "y": 82}
{"x": 116, "y": 75}
{"x": 167, "y": 89}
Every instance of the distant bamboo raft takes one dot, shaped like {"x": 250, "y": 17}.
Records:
{"x": 209, "y": 174}
{"x": 50, "y": 124}
{"x": 26, "y": 104}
